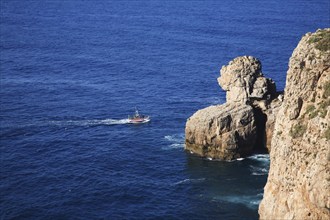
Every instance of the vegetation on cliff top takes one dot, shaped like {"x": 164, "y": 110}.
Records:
{"x": 321, "y": 39}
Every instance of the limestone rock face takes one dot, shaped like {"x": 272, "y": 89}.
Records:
{"x": 242, "y": 79}
{"x": 298, "y": 185}
{"x": 224, "y": 132}
{"x": 271, "y": 114}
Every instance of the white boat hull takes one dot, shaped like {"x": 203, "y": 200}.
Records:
{"x": 139, "y": 121}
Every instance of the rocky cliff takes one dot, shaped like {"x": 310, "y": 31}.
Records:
{"x": 244, "y": 123}
{"x": 298, "y": 185}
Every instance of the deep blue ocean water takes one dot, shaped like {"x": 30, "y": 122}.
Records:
{"x": 71, "y": 72}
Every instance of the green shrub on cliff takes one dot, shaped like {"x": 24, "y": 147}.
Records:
{"x": 311, "y": 111}
{"x": 310, "y": 108}
{"x": 298, "y": 130}
{"x": 313, "y": 114}
{"x": 327, "y": 133}
{"x": 321, "y": 40}
{"x": 323, "y": 109}
{"x": 326, "y": 87}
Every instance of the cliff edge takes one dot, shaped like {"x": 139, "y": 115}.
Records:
{"x": 298, "y": 185}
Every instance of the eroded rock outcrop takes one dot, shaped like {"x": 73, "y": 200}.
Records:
{"x": 298, "y": 185}
{"x": 242, "y": 79}
{"x": 237, "y": 128}
{"x": 222, "y": 132}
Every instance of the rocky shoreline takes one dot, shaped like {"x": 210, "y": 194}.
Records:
{"x": 294, "y": 129}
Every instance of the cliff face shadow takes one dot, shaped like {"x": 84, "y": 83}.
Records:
{"x": 261, "y": 140}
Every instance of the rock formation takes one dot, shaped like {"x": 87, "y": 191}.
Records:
{"x": 298, "y": 185}
{"x": 242, "y": 79}
{"x": 222, "y": 132}
{"x": 238, "y": 127}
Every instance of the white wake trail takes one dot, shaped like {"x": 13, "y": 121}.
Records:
{"x": 94, "y": 122}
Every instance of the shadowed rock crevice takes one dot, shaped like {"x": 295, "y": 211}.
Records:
{"x": 261, "y": 140}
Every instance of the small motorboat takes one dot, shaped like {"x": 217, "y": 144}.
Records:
{"x": 137, "y": 118}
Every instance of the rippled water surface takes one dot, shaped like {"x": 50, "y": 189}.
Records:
{"x": 71, "y": 72}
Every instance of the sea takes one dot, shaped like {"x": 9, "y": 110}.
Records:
{"x": 73, "y": 70}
